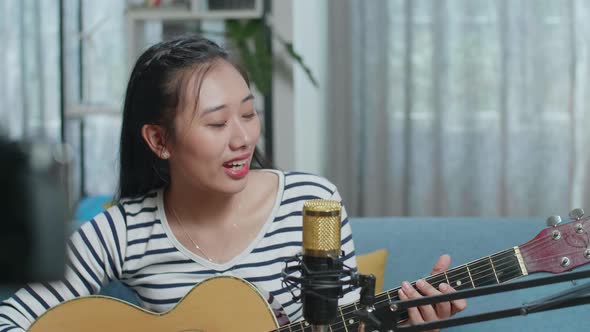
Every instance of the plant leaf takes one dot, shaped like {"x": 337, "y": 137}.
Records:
{"x": 233, "y": 29}
{"x": 289, "y": 47}
{"x": 264, "y": 57}
{"x": 258, "y": 61}
{"x": 251, "y": 27}
{"x": 255, "y": 71}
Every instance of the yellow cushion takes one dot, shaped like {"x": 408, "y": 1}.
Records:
{"x": 373, "y": 263}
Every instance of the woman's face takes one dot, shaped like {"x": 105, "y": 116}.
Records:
{"x": 213, "y": 146}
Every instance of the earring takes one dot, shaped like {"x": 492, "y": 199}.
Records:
{"x": 165, "y": 155}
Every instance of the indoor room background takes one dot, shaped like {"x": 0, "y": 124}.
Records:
{"x": 413, "y": 108}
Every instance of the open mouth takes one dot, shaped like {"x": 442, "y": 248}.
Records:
{"x": 236, "y": 165}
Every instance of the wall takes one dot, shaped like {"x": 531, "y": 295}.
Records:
{"x": 298, "y": 106}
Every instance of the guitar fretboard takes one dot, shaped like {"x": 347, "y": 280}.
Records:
{"x": 495, "y": 269}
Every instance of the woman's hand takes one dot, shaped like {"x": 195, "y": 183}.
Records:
{"x": 441, "y": 310}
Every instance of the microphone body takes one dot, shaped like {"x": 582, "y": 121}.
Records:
{"x": 321, "y": 289}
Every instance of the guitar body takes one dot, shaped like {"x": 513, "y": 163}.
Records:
{"x": 217, "y": 304}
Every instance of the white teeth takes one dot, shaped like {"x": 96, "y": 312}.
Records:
{"x": 237, "y": 164}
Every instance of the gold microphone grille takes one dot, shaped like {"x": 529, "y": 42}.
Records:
{"x": 321, "y": 228}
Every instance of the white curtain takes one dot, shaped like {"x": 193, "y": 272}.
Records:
{"x": 460, "y": 107}
{"x": 29, "y": 70}
{"x": 96, "y": 71}
{"x": 104, "y": 73}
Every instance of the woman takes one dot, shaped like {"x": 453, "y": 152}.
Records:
{"x": 194, "y": 200}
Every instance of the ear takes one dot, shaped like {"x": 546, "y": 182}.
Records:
{"x": 155, "y": 137}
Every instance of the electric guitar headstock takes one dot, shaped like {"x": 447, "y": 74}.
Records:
{"x": 561, "y": 246}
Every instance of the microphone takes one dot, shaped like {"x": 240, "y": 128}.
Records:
{"x": 322, "y": 266}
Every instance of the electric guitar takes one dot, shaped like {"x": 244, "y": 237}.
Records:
{"x": 231, "y": 304}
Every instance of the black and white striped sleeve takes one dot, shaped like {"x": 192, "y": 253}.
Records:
{"x": 347, "y": 245}
{"x": 95, "y": 257}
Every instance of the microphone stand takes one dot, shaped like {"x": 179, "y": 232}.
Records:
{"x": 571, "y": 297}
{"x": 367, "y": 318}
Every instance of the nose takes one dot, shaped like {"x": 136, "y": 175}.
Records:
{"x": 239, "y": 136}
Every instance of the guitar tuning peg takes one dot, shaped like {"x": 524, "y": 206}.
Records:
{"x": 553, "y": 221}
{"x": 576, "y": 214}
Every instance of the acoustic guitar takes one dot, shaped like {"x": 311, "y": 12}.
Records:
{"x": 231, "y": 304}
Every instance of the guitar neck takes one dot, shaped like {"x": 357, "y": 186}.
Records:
{"x": 490, "y": 270}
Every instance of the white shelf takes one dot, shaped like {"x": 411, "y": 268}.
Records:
{"x": 180, "y": 15}
{"x": 136, "y": 16}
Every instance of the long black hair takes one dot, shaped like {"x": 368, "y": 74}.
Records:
{"x": 155, "y": 90}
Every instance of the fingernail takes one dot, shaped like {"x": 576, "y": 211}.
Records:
{"x": 406, "y": 285}
{"x": 420, "y": 283}
{"x": 443, "y": 287}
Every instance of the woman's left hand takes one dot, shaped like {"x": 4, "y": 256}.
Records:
{"x": 441, "y": 310}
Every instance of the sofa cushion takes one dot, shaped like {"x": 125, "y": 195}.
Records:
{"x": 373, "y": 263}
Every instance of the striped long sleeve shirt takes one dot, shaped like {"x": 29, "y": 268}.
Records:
{"x": 132, "y": 242}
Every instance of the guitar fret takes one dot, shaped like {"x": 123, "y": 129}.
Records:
{"x": 493, "y": 269}
{"x": 446, "y": 277}
{"x": 460, "y": 278}
{"x": 483, "y": 273}
{"x": 470, "y": 276}
{"x": 349, "y": 317}
{"x": 342, "y": 317}
{"x": 382, "y": 297}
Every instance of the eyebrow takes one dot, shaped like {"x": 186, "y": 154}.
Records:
{"x": 220, "y": 107}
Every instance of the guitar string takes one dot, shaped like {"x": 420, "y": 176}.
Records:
{"x": 474, "y": 272}
{"x": 475, "y": 280}
{"x": 474, "y": 283}
{"x": 344, "y": 320}
{"x": 510, "y": 258}
{"x": 344, "y": 308}
{"x": 533, "y": 244}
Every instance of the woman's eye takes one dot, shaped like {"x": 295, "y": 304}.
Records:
{"x": 249, "y": 115}
{"x": 217, "y": 125}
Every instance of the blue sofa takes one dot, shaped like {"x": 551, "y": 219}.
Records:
{"x": 414, "y": 244}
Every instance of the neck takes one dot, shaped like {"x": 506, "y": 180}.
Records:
{"x": 201, "y": 205}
